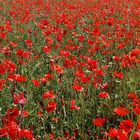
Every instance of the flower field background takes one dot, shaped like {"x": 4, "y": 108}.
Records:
{"x": 70, "y": 69}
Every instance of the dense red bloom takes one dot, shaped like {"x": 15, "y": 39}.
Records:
{"x": 81, "y": 38}
{"x": 135, "y": 52}
{"x": 40, "y": 114}
{"x": 36, "y": 83}
{"x": 92, "y": 63}
{"x": 99, "y": 72}
{"x": 79, "y": 73}
{"x": 3, "y": 132}
{"x": 49, "y": 76}
{"x": 9, "y": 66}
{"x": 47, "y": 49}
{"x": 13, "y": 44}
{"x": 117, "y": 58}
{"x": 19, "y": 98}
{"x": 103, "y": 94}
{"x": 12, "y": 130}
{"x": 138, "y": 124}
{"x": 49, "y": 40}
{"x": 65, "y": 53}
{"x": 24, "y": 133}
{"x": 51, "y": 106}
{"x": 57, "y": 68}
{"x": 136, "y": 111}
{"x": 122, "y": 136}
{"x": 136, "y": 102}
{"x": 56, "y": 120}
{"x": 20, "y": 52}
{"x": 137, "y": 60}
{"x": 118, "y": 75}
{"x": 11, "y": 115}
{"x": 79, "y": 46}
{"x": 104, "y": 86}
{"x": 121, "y": 111}
{"x": 126, "y": 125}
{"x": 133, "y": 95}
{"x": 121, "y": 46}
{"x": 77, "y": 87}
{"x": 85, "y": 79}
{"x": 136, "y": 135}
{"x": 1, "y": 87}
{"x": 73, "y": 105}
{"x": 113, "y": 132}
{"x": 20, "y": 78}
{"x": 29, "y": 43}
{"x": 49, "y": 95}
{"x": 6, "y": 50}
{"x": 11, "y": 77}
{"x": 2, "y": 81}
{"x": 99, "y": 122}
{"x": 24, "y": 113}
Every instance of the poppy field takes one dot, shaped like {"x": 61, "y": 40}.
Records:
{"x": 70, "y": 70}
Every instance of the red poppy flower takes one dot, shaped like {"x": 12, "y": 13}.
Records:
{"x": 24, "y": 113}
{"x": 136, "y": 111}
{"x": 99, "y": 72}
{"x": 104, "y": 86}
{"x": 137, "y": 60}
{"x": 29, "y": 43}
{"x": 113, "y": 132}
{"x": 49, "y": 40}
{"x": 11, "y": 115}
{"x": 20, "y": 78}
{"x": 77, "y": 87}
{"x": 79, "y": 73}
{"x": 73, "y": 105}
{"x": 121, "y": 46}
{"x": 47, "y": 49}
{"x": 81, "y": 38}
{"x": 118, "y": 75}
{"x": 36, "y": 83}
{"x": 92, "y": 63}
{"x": 103, "y": 94}
{"x": 24, "y": 133}
{"x": 126, "y": 125}
{"x": 133, "y": 95}
{"x": 99, "y": 122}
{"x": 122, "y": 136}
{"x": 85, "y": 79}
{"x": 136, "y": 102}
{"x": 136, "y": 135}
{"x": 2, "y": 81}
{"x": 51, "y": 106}
{"x": 138, "y": 124}
{"x": 12, "y": 129}
{"x": 135, "y": 52}
{"x": 121, "y": 111}
{"x": 56, "y": 120}
{"x": 19, "y": 99}
{"x": 13, "y": 44}
{"x": 40, "y": 114}
{"x": 20, "y": 52}
{"x": 9, "y": 66}
{"x": 59, "y": 69}
{"x": 1, "y": 87}
{"x": 3, "y": 132}
{"x": 49, "y": 95}
{"x": 65, "y": 53}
